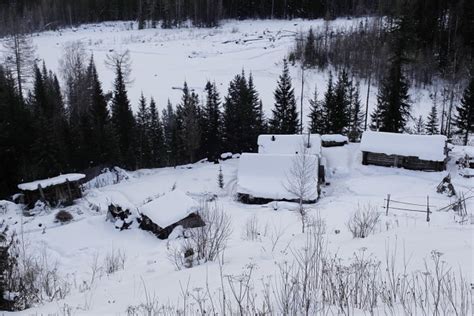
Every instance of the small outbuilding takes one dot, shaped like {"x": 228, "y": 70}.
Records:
{"x": 165, "y": 213}
{"x": 415, "y": 152}
{"x": 60, "y": 190}
{"x": 262, "y": 178}
{"x": 334, "y": 140}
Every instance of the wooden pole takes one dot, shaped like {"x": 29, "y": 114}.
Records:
{"x": 428, "y": 208}
{"x": 388, "y": 204}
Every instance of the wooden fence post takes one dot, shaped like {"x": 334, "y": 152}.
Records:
{"x": 388, "y": 204}
{"x": 427, "y": 208}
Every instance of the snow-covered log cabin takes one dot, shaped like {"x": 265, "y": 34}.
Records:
{"x": 165, "y": 213}
{"x": 334, "y": 140}
{"x": 60, "y": 190}
{"x": 415, "y": 152}
{"x": 262, "y": 178}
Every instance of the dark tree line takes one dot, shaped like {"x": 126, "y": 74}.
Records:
{"x": 39, "y": 15}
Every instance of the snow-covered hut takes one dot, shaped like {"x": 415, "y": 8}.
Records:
{"x": 262, "y": 178}
{"x": 289, "y": 144}
{"x": 173, "y": 209}
{"x": 416, "y": 152}
{"x": 333, "y": 140}
{"x": 60, "y": 190}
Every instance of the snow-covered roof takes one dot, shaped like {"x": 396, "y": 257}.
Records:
{"x": 32, "y": 186}
{"x": 288, "y": 144}
{"x": 334, "y": 138}
{"x": 267, "y": 176}
{"x": 169, "y": 208}
{"x": 425, "y": 147}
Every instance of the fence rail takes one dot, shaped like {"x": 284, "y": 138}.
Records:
{"x": 389, "y": 207}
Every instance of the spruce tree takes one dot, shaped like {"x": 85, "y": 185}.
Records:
{"x": 431, "y": 127}
{"x": 170, "y": 135}
{"x": 143, "y": 134}
{"x": 285, "y": 116}
{"x": 316, "y": 115}
{"x": 123, "y": 120}
{"x": 212, "y": 126}
{"x": 105, "y": 147}
{"x": 375, "y": 119}
{"x": 419, "y": 127}
{"x": 464, "y": 119}
{"x": 15, "y": 135}
{"x": 254, "y": 116}
{"x": 328, "y": 106}
{"x": 309, "y": 53}
{"x": 156, "y": 137}
{"x": 393, "y": 100}
{"x": 188, "y": 125}
{"x": 357, "y": 115}
{"x": 339, "y": 115}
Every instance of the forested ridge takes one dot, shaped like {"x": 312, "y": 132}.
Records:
{"x": 66, "y": 122}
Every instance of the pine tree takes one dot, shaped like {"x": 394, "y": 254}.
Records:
{"x": 393, "y": 100}
{"x": 316, "y": 115}
{"x": 464, "y": 120}
{"x": 212, "y": 126}
{"x": 156, "y": 137}
{"x": 431, "y": 127}
{"x": 123, "y": 120}
{"x": 285, "y": 116}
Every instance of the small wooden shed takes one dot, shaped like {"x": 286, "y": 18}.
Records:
{"x": 60, "y": 190}
{"x": 165, "y": 213}
{"x": 415, "y": 152}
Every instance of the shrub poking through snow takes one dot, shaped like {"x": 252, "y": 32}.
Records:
{"x": 204, "y": 243}
{"x": 114, "y": 261}
{"x": 363, "y": 222}
{"x": 63, "y": 217}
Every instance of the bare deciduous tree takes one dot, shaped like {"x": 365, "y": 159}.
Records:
{"x": 302, "y": 180}
{"x": 20, "y": 57}
{"x": 121, "y": 60}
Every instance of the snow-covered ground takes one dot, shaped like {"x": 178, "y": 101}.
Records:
{"x": 147, "y": 267}
{"x": 163, "y": 59}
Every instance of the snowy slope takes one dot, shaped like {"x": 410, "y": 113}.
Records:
{"x": 164, "y": 59}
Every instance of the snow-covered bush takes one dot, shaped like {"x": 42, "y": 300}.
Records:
{"x": 363, "y": 222}
{"x": 63, "y": 217}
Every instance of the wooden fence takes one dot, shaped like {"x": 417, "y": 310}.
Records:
{"x": 395, "y": 205}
